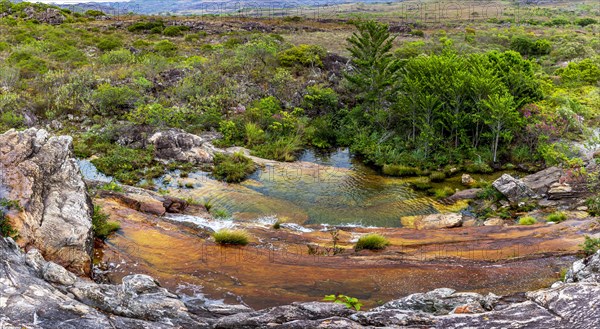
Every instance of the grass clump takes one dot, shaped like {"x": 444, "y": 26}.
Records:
{"x": 442, "y": 192}
{"x": 399, "y": 170}
{"x": 421, "y": 184}
{"x": 101, "y": 227}
{"x": 527, "y": 220}
{"x": 220, "y": 213}
{"x": 371, "y": 241}
{"x": 232, "y": 168}
{"x": 231, "y": 237}
{"x": 557, "y": 217}
{"x": 437, "y": 176}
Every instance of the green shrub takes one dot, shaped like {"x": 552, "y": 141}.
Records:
{"x": 557, "y": 217}
{"x": 585, "y": 71}
{"x": 527, "y": 220}
{"x": 371, "y": 241}
{"x": 593, "y": 205}
{"x": 10, "y": 119}
{"x": 437, "y": 176}
{"x": 109, "y": 43}
{"x": 399, "y": 170}
{"x": 304, "y": 55}
{"x": 126, "y": 165}
{"x": 174, "y": 31}
{"x": 156, "y": 115}
{"x": 220, "y": 213}
{"x": 283, "y": 148}
{"x": 6, "y": 229}
{"x": 232, "y": 168}
{"x": 590, "y": 246}
{"x": 101, "y": 227}
{"x": 254, "y": 135}
{"x": 119, "y": 56}
{"x": 28, "y": 64}
{"x": 146, "y": 26}
{"x": 231, "y": 237}
{"x": 478, "y": 168}
{"x": 112, "y": 186}
{"x": 165, "y": 48}
{"x": 94, "y": 13}
{"x": 109, "y": 100}
{"x": 422, "y": 184}
{"x": 583, "y": 22}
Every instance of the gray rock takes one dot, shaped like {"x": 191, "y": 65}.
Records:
{"x": 436, "y": 221}
{"x": 467, "y": 194}
{"x": 541, "y": 181}
{"x": 55, "y": 273}
{"x": 40, "y": 173}
{"x": 176, "y": 145}
{"x": 585, "y": 270}
{"x": 513, "y": 189}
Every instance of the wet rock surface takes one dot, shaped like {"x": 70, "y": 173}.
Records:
{"x": 40, "y": 173}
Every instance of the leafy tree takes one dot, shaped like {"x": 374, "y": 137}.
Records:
{"x": 501, "y": 117}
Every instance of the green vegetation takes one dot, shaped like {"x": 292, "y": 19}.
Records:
{"x": 371, "y": 241}
{"x": 593, "y": 205}
{"x": 590, "y": 245}
{"x": 101, "y": 226}
{"x": 6, "y": 229}
{"x": 220, "y": 213}
{"x": 233, "y": 168}
{"x": 231, "y": 237}
{"x": 475, "y": 98}
{"x": 349, "y": 302}
{"x": 557, "y": 217}
{"x": 527, "y": 220}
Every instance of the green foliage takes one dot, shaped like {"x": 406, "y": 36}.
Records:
{"x": 112, "y": 186}
{"x": 443, "y": 192}
{"x": 94, "y": 13}
{"x": 101, "y": 226}
{"x": 372, "y": 241}
{"x": 349, "y": 302}
{"x": 117, "y": 57}
{"x": 527, "y": 220}
{"x": 6, "y": 229}
{"x": 399, "y": 170}
{"x": 527, "y": 46}
{"x": 590, "y": 246}
{"x": 583, "y": 22}
{"x": 10, "y": 119}
{"x": 174, "y": 31}
{"x": 232, "y": 168}
{"x": 146, "y": 26}
{"x": 303, "y": 55}
{"x": 593, "y": 204}
{"x": 157, "y": 115}
{"x": 319, "y": 101}
{"x": 586, "y": 71}
{"x": 125, "y": 164}
{"x": 109, "y": 43}
{"x": 165, "y": 48}
{"x": 231, "y": 237}
{"x": 557, "y": 217}
{"x": 109, "y": 100}
{"x": 220, "y": 213}
{"x": 29, "y": 64}
{"x": 283, "y": 148}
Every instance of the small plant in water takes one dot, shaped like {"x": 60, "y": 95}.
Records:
{"x": 277, "y": 225}
{"x": 371, "y": 241}
{"x": 349, "y": 302}
{"x": 231, "y": 237}
{"x": 220, "y": 213}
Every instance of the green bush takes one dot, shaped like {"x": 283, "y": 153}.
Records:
{"x": 109, "y": 100}
{"x": 319, "y": 101}
{"x": 101, "y": 227}
{"x": 583, "y": 22}
{"x": 94, "y": 13}
{"x": 590, "y": 246}
{"x": 527, "y": 220}
{"x": 174, "y": 31}
{"x": 372, "y": 241}
{"x": 146, "y": 26}
{"x": 304, "y": 55}
{"x": 28, "y": 64}
{"x": 443, "y": 192}
{"x": 127, "y": 165}
{"x": 478, "y": 168}
{"x": 157, "y": 115}
{"x": 11, "y": 119}
{"x": 593, "y": 205}
{"x": 585, "y": 71}
{"x": 118, "y": 56}
{"x": 232, "y": 168}
{"x": 437, "y": 176}
{"x": 109, "y": 43}
{"x": 284, "y": 148}
{"x": 422, "y": 184}
{"x": 165, "y": 48}
{"x": 557, "y": 217}
{"x": 231, "y": 237}
{"x": 6, "y": 229}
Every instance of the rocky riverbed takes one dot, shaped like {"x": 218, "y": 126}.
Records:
{"x": 164, "y": 244}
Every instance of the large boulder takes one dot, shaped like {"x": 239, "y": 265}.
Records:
{"x": 40, "y": 173}
{"x": 177, "y": 145}
{"x": 436, "y": 221}
{"x": 541, "y": 181}
{"x": 513, "y": 189}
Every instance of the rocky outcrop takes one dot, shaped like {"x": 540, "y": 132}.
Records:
{"x": 40, "y": 173}
{"x": 513, "y": 189}
{"x": 51, "y": 16}
{"x": 176, "y": 145}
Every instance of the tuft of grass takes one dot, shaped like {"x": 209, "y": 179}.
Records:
{"x": 442, "y": 192}
{"x": 421, "y": 184}
{"x": 233, "y": 168}
{"x": 590, "y": 245}
{"x": 208, "y": 204}
{"x": 557, "y": 217}
{"x": 527, "y": 220}
{"x": 277, "y": 225}
{"x": 220, "y": 213}
{"x": 437, "y": 176}
{"x": 231, "y": 237}
{"x": 101, "y": 226}
{"x": 399, "y": 170}
{"x": 372, "y": 241}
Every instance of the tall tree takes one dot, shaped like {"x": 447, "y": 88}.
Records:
{"x": 373, "y": 65}
{"x": 501, "y": 118}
